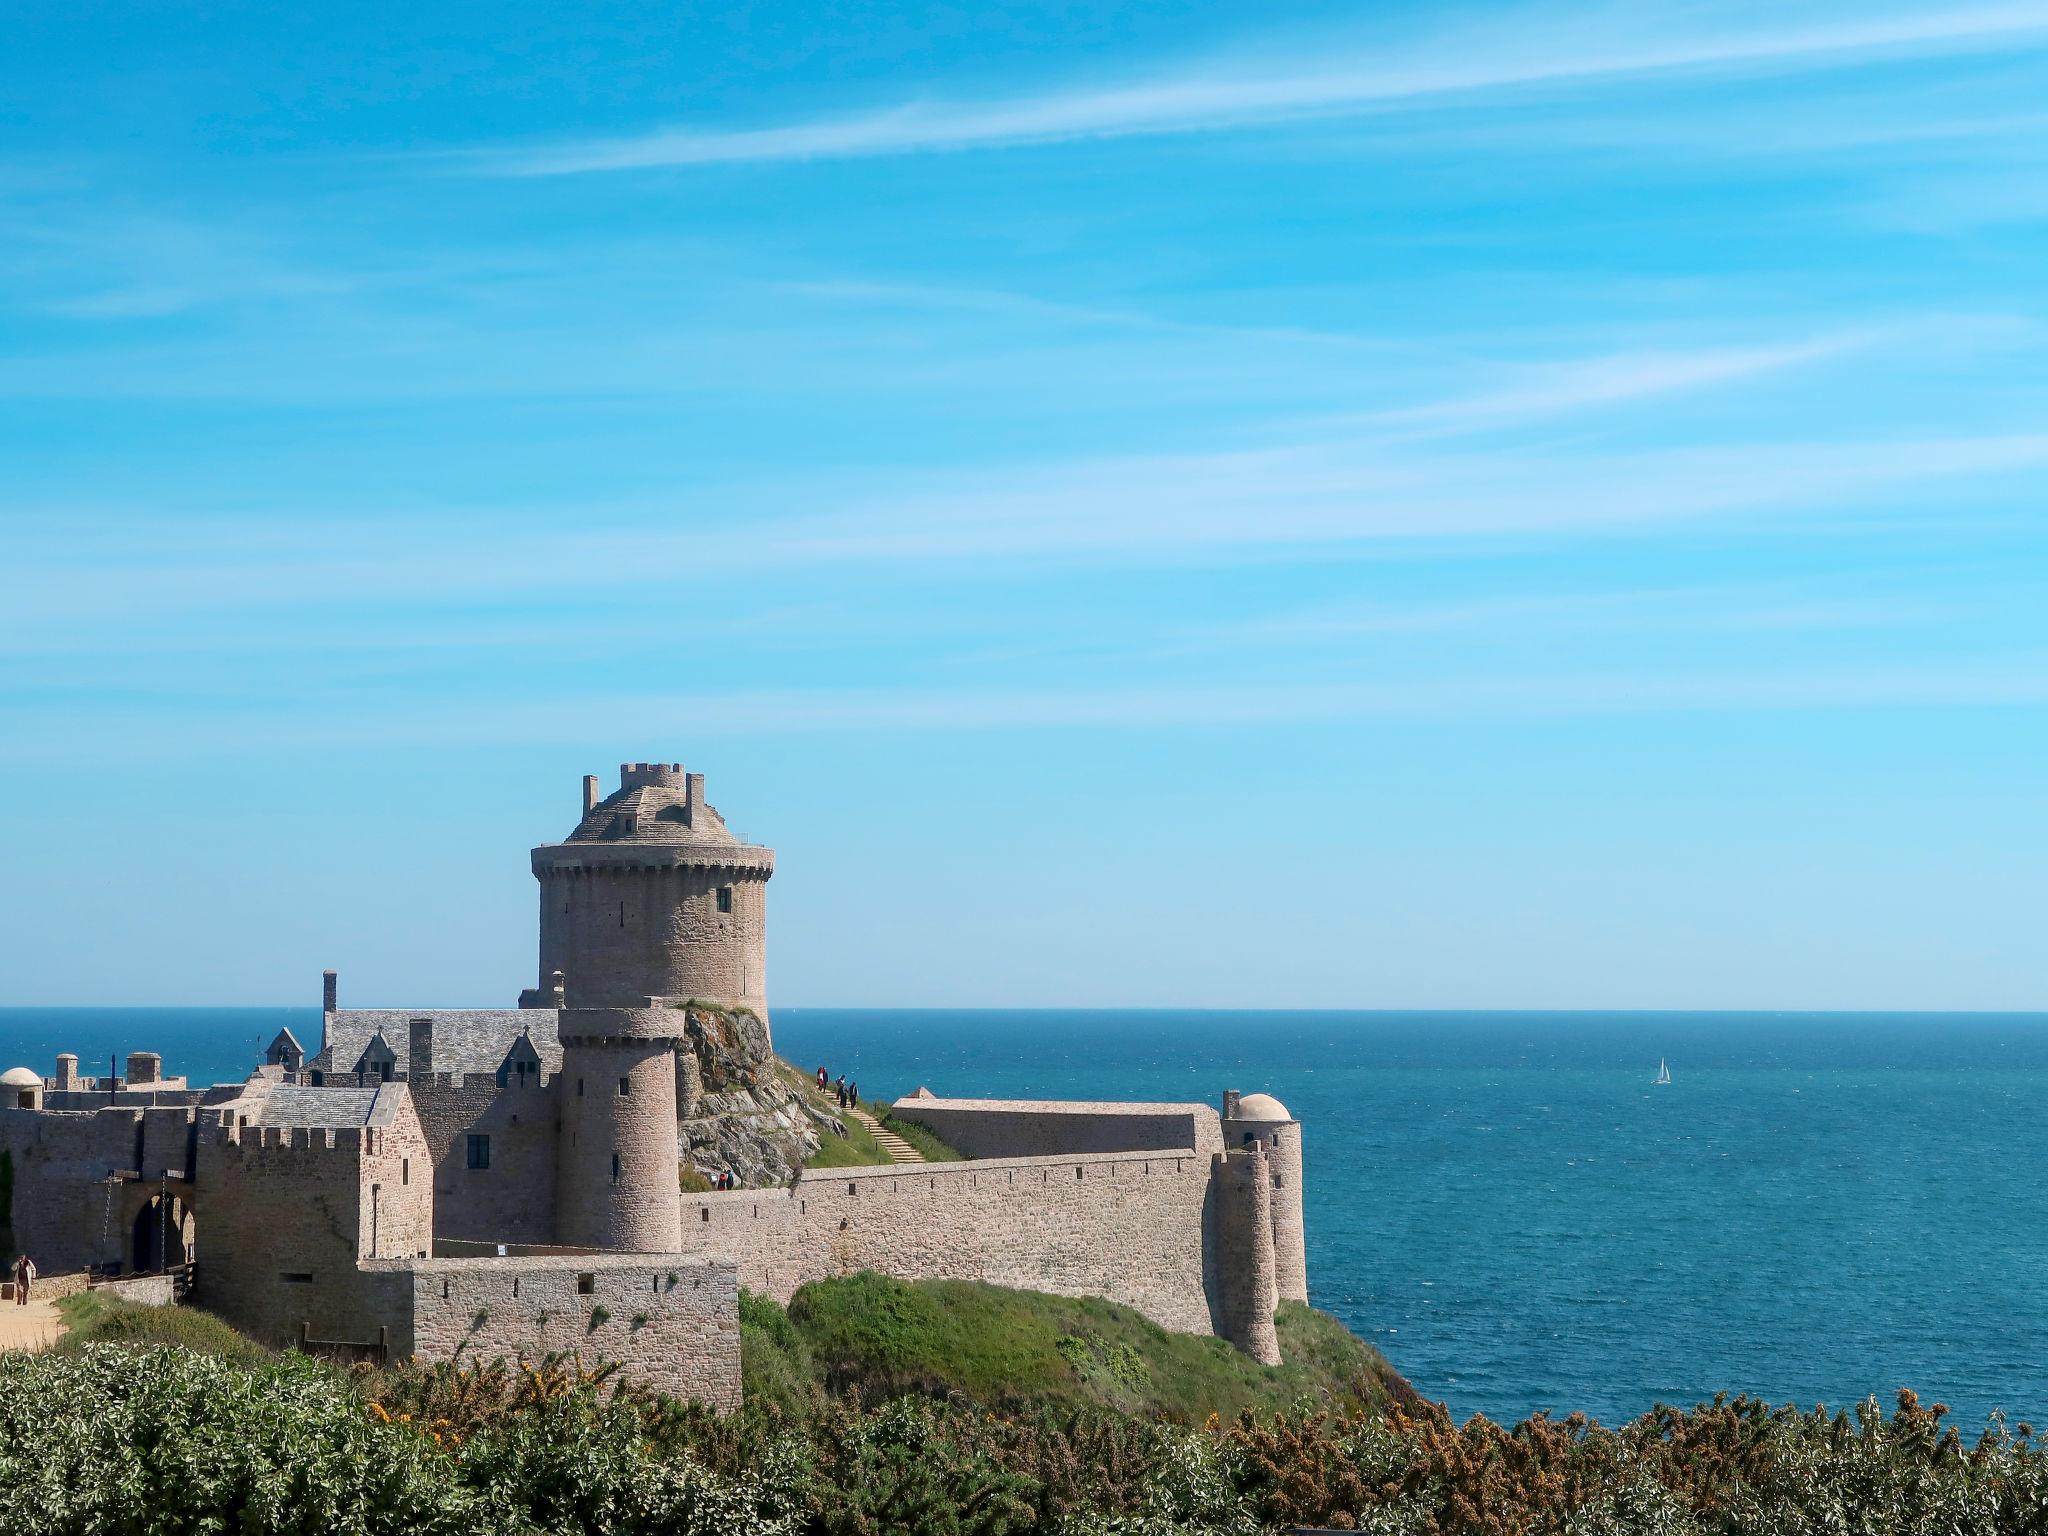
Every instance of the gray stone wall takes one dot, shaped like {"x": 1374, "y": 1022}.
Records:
{"x": 672, "y": 1323}
{"x": 1132, "y": 1227}
{"x": 67, "y": 1216}
{"x": 1050, "y": 1128}
{"x": 512, "y": 1200}
{"x": 288, "y": 1211}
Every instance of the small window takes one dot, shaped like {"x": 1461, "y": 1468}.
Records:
{"x": 479, "y": 1151}
{"x": 725, "y": 898}
{"x": 579, "y": 1087}
{"x": 585, "y": 1284}
{"x": 296, "y": 1277}
{"x": 625, "y": 1086}
{"x": 405, "y": 1170}
{"x": 615, "y": 1167}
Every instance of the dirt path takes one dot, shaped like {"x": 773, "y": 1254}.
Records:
{"x": 35, "y": 1326}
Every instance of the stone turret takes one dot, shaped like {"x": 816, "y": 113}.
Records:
{"x": 652, "y": 897}
{"x": 1247, "y": 1285}
{"x": 1260, "y": 1119}
{"x": 615, "y": 1150}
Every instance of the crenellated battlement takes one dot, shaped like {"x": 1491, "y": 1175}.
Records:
{"x": 652, "y": 776}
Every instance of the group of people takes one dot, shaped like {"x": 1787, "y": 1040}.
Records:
{"x": 723, "y": 1179}
{"x": 849, "y": 1093}
{"x": 24, "y": 1277}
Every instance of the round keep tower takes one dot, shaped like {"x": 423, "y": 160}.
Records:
{"x": 615, "y": 1152}
{"x": 1261, "y": 1118}
{"x": 652, "y": 897}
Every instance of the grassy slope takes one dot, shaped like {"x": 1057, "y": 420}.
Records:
{"x": 920, "y": 1136}
{"x": 93, "y": 1317}
{"x": 1019, "y": 1349}
{"x": 858, "y": 1147}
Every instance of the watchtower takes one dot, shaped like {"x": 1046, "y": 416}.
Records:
{"x": 615, "y": 1150}
{"x": 1259, "y": 1119}
{"x": 652, "y": 897}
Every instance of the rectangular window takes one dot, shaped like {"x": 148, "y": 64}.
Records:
{"x": 625, "y": 1086}
{"x": 405, "y": 1170}
{"x": 585, "y": 1284}
{"x": 579, "y": 1087}
{"x": 479, "y": 1151}
{"x": 296, "y": 1277}
{"x": 725, "y": 898}
{"x": 615, "y": 1167}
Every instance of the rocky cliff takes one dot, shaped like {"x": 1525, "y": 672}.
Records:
{"x": 741, "y": 1113}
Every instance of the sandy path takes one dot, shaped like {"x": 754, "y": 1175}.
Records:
{"x": 35, "y": 1326}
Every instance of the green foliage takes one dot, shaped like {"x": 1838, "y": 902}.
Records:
{"x": 103, "y": 1439}
{"x": 691, "y": 1180}
{"x": 1020, "y": 1349}
{"x": 776, "y": 1368}
{"x": 97, "y": 1318}
{"x": 856, "y": 1149}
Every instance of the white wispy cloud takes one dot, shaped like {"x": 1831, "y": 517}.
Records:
{"x": 1289, "y": 503}
{"x": 1992, "y": 681}
{"x": 1557, "y": 51}
{"x": 1588, "y": 384}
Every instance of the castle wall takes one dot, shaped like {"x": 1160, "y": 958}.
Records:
{"x": 511, "y": 1201}
{"x": 672, "y": 1323}
{"x": 290, "y": 1210}
{"x": 1132, "y": 1227}
{"x": 66, "y": 1215}
{"x": 623, "y": 934}
{"x": 979, "y": 1128}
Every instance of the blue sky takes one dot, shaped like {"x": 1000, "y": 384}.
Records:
{"x": 1168, "y": 504}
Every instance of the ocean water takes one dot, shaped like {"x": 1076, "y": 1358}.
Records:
{"x": 1819, "y": 1208}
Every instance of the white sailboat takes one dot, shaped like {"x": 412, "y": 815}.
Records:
{"x": 1663, "y": 1075}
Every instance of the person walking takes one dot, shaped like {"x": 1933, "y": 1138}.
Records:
{"x": 853, "y": 1095}
{"x": 822, "y": 1079}
{"x": 841, "y": 1086}
{"x": 24, "y": 1277}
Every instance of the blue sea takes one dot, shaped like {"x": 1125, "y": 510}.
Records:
{"x": 1820, "y": 1207}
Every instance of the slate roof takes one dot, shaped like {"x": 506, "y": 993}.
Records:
{"x": 290, "y": 1104}
{"x": 472, "y": 1041}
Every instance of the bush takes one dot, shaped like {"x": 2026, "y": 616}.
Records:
{"x": 95, "y": 1317}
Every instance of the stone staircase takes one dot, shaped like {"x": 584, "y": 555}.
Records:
{"x": 899, "y": 1150}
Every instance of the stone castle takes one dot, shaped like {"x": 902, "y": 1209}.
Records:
{"x": 510, "y": 1181}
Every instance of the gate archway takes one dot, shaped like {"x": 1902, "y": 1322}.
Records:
{"x": 162, "y": 1235}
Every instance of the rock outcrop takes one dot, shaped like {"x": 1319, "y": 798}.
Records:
{"x": 741, "y": 1113}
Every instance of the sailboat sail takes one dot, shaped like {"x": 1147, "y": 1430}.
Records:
{"x": 1663, "y": 1074}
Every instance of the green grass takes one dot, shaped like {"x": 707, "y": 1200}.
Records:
{"x": 922, "y": 1137}
{"x": 94, "y": 1317}
{"x": 1022, "y": 1349}
{"x": 856, "y": 1149}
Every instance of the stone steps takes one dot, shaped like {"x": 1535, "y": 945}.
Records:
{"x": 898, "y": 1150}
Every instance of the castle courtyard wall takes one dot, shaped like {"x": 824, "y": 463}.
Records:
{"x": 66, "y": 1214}
{"x": 1135, "y": 1228}
{"x": 672, "y": 1323}
{"x": 289, "y": 1212}
{"x": 984, "y": 1128}
{"x": 513, "y": 1199}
